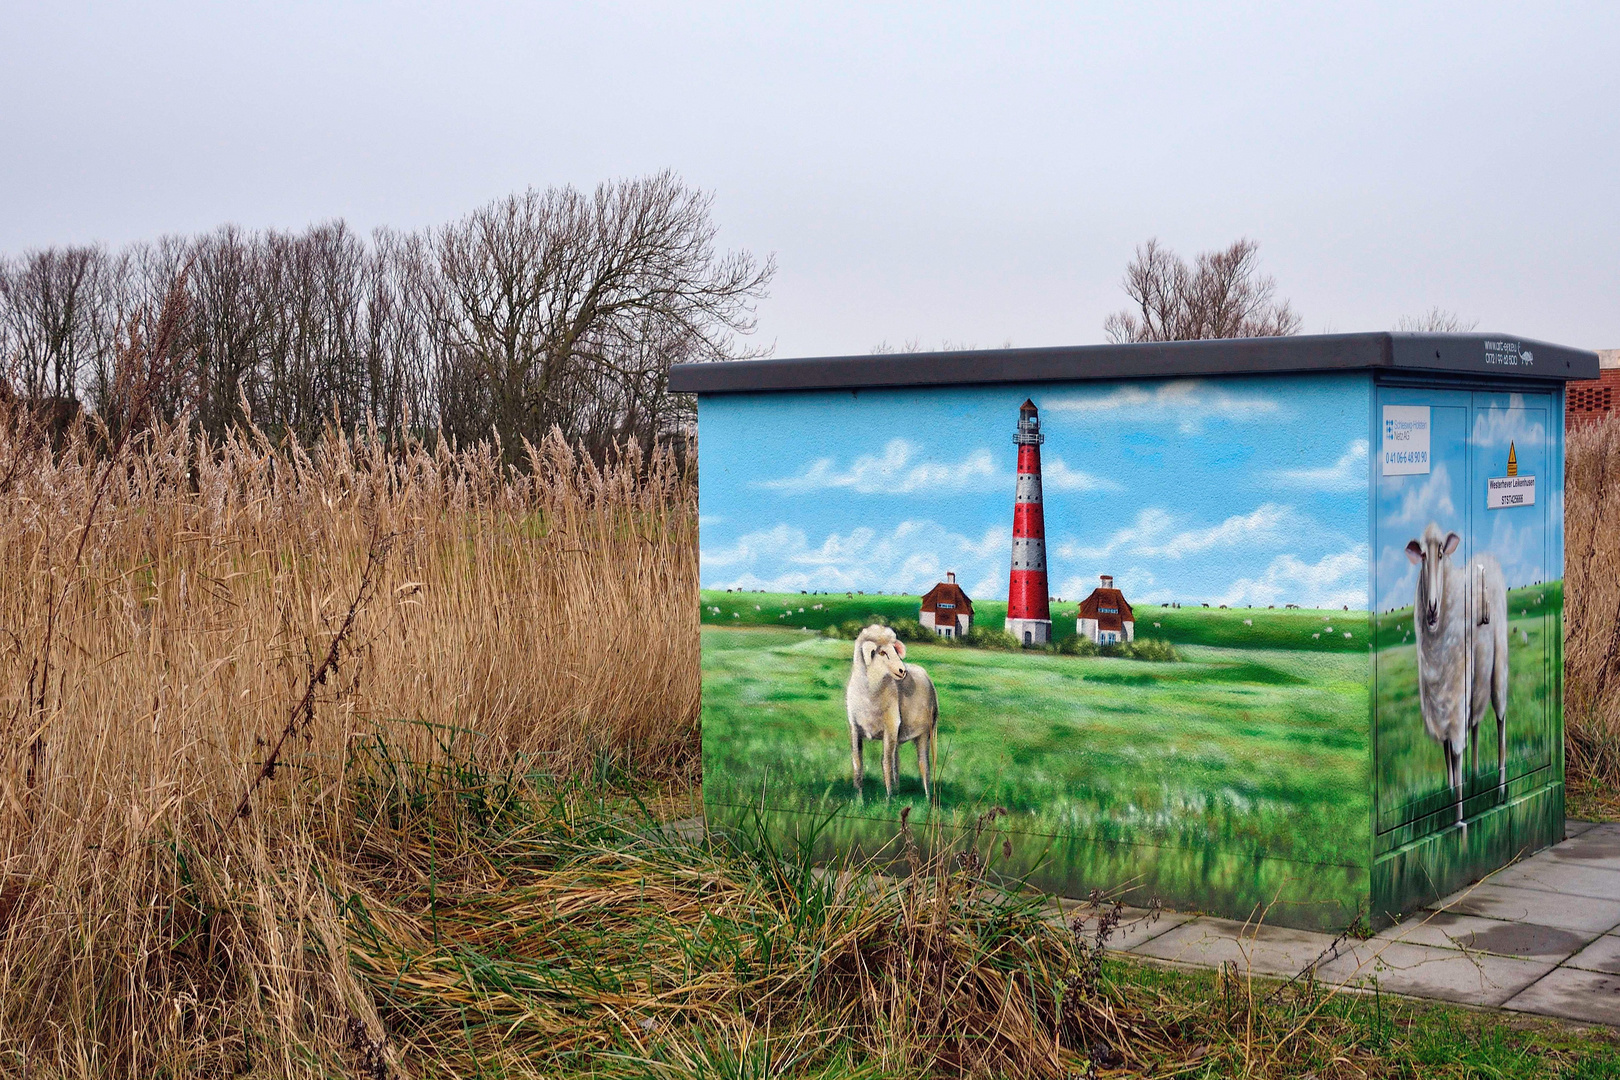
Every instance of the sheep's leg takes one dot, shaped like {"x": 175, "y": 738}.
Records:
{"x": 925, "y": 748}
{"x": 857, "y": 761}
{"x": 1453, "y": 776}
{"x": 1499, "y": 688}
{"x": 891, "y": 761}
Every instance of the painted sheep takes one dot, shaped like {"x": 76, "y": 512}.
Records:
{"x": 891, "y": 702}
{"x": 1460, "y": 616}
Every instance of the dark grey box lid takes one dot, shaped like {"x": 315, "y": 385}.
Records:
{"x": 1491, "y": 355}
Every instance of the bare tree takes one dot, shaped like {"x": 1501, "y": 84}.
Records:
{"x": 1437, "y": 320}
{"x": 1222, "y": 294}
{"x": 550, "y": 300}
{"x": 552, "y": 308}
{"x": 48, "y": 306}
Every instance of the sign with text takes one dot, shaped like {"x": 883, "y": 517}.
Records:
{"x": 1405, "y": 445}
{"x": 1502, "y": 492}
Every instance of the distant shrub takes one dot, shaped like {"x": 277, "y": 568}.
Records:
{"x": 912, "y": 630}
{"x": 1078, "y": 645}
{"x": 1142, "y": 649}
{"x": 904, "y": 629}
{"x": 985, "y": 638}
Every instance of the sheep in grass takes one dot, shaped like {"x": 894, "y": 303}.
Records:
{"x": 890, "y": 701}
{"x": 1460, "y": 616}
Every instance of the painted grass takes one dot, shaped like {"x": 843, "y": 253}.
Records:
{"x": 1234, "y": 779}
{"x": 1306, "y": 630}
{"x": 1410, "y": 766}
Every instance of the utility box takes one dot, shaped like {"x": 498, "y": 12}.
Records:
{"x": 1267, "y": 628}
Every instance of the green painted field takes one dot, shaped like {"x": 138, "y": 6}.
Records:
{"x": 1413, "y": 800}
{"x": 1236, "y": 778}
{"x": 1308, "y": 631}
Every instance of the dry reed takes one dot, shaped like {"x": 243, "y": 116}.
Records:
{"x": 150, "y": 652}
{"x": 386, "y": 654}
{"x": 1592, "y": 604}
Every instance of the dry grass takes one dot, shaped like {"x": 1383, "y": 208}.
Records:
{"x": 153, "y": 651}
{"x": 1592, "y": 608}
{"x": 404, "y": 665}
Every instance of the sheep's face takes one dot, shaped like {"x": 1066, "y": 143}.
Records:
{"x": 1428, "y": 553}
{"x": 884, "y": 656}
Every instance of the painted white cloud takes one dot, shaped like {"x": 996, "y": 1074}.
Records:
{"x": 1058, "y": 475}
{"x": 907, "y": 559}
{"x": 1136, "y": 582}
{"x": 1337, "y": 580}
{"x": 750, "y": 548}
{"x": 1157, "y": 534}
{"x": 1425, "y": 501}
{"x": 1187, "y": 403}
{"x": 901, "y": 470}
{"x": 1519, "y": 544}
{"x": 898, "y": 470}
{"x": 1397, "y": 578}
{"x": 1497, "y": 427}
{"x": 1347, "y": 474}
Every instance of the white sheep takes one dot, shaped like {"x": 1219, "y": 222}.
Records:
{"x": 1460, "y": 616}
{"x": 890, "y": 701}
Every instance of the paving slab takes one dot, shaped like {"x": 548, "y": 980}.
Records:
{"x": 1448, "y": 974}
{"x": 1568, "y": 877}
{"x": 1602, "y": 955}
{"x": 1575, "y": 828}
{"x": 1137, "y": 926}
{"x": 1516, "y": 904}
{"x": 1573, "y": 994}
{"x": 1266, "y": 950}
{"x": 1597, "y": 847}
{"x": 1449, "y": 930}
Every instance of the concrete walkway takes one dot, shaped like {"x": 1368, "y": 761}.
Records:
{"x": 1542, "y": 936}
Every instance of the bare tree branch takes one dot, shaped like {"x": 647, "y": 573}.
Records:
{"x": 1222, "y": 294}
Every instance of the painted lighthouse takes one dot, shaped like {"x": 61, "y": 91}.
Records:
{"x": 1029, "y": 616}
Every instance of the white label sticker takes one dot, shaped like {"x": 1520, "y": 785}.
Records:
{"x": 1502, "y": 492}
{"x": 1405, "y": 448}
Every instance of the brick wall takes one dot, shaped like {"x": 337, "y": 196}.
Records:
{"x": 1587, "y": 400}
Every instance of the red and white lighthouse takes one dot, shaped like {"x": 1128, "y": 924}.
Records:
{"x": 1029, "y": 616}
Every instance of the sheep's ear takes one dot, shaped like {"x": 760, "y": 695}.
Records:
{"x": 1452, "y": 540}
{"x": 868, "y": 650}
{"x": 900, "y": 649}
{"x": 1414, "y": 551}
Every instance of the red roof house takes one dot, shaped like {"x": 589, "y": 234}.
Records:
{"x": 1105, "y": 615}
{"x": 946, "y": 609}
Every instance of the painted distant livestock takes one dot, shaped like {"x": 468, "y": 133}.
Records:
{"x": 1460, "y": 617}
{"x": 891, "y": 702}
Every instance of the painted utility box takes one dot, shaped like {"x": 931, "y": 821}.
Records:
{"x": 1246, "y": 626}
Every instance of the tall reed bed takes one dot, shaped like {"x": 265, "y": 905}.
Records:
{"x": 194, "y": 638}
{"x": 1592, "y": 603}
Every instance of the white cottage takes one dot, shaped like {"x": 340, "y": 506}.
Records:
{"x": 946, "y": 609}
{"x": 1105, "y": 615}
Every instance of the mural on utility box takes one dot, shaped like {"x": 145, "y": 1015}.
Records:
{"x": 1136, "y": 616}
{"x": 1468, "y": 634}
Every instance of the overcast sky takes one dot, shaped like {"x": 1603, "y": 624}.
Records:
{"x": 966, "y": 174}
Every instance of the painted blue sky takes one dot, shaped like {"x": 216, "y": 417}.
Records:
{"x": 1469, "y": 442}
{"x": 1244, "y": 491}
